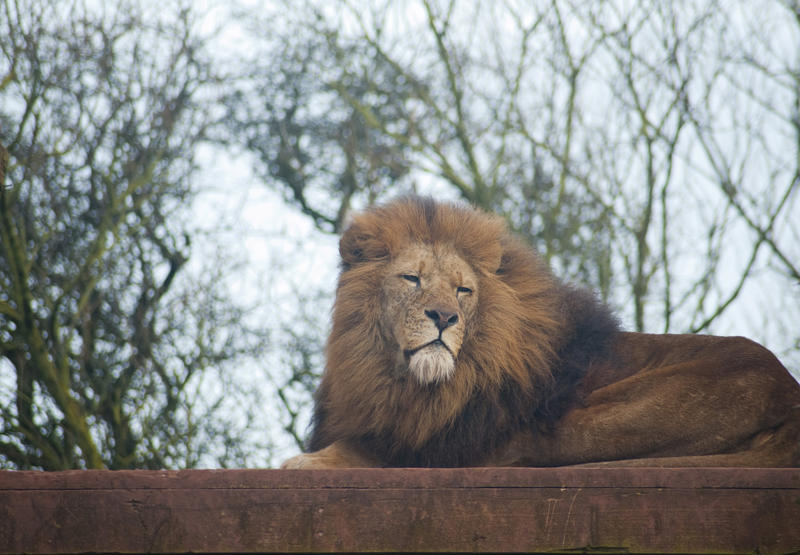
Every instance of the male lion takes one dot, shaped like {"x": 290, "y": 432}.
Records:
{"x": 454, "y": 345}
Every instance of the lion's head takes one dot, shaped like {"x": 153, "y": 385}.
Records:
{"x": 437, "y": 305}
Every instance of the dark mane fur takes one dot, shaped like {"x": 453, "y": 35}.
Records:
{"x": 550, "y": 342}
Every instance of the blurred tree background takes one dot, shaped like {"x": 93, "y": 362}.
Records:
{"x": 107, "y": 342}
{"x": 650, "y": 150}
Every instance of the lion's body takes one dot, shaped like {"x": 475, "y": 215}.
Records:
{"x": 454, "y": 345}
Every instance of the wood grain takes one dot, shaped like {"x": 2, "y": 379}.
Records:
{"x": 639, "y": 510}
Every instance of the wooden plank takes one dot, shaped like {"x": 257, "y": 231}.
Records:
{"x": 641, "y": 510}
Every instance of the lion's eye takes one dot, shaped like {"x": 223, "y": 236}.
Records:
{"x": 411, "y": 277}
{"x": 463, "y": 290}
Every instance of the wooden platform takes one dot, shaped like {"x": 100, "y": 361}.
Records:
{"x": 538, "y": 510}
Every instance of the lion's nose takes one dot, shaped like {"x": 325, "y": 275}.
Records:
{"x": 442, "y": 318}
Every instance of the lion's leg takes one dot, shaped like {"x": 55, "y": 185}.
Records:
{"x": 770, "y": 448}
{"x": 615, "y": 446}
{"x": 336, "y": 455}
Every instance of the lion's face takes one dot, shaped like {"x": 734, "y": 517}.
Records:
{"x": 428, "y": 298}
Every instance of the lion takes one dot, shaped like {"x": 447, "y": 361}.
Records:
{"x": 454, "y": 345}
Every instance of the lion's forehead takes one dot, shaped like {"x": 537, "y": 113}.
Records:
{"x": 437, "y": 260}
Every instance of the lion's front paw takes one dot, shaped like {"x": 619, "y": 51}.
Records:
{"x": 303, "y": 461}
{"x": 336, "y": 455}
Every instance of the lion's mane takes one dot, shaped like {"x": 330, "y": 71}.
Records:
{"x": 532, "y": 341}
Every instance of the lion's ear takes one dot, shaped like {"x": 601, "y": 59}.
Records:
{"x": 358, "y": 244}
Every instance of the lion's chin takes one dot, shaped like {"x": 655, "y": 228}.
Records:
{"x": 432, "y": 364}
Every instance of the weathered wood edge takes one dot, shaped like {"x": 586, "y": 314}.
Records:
{"x": 644, "y": 510}
{"x": 621, "y": 477}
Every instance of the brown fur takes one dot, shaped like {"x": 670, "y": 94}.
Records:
{"x": 542, "y": 376}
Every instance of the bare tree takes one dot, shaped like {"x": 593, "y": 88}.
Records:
{"x": 104, "y": 336}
